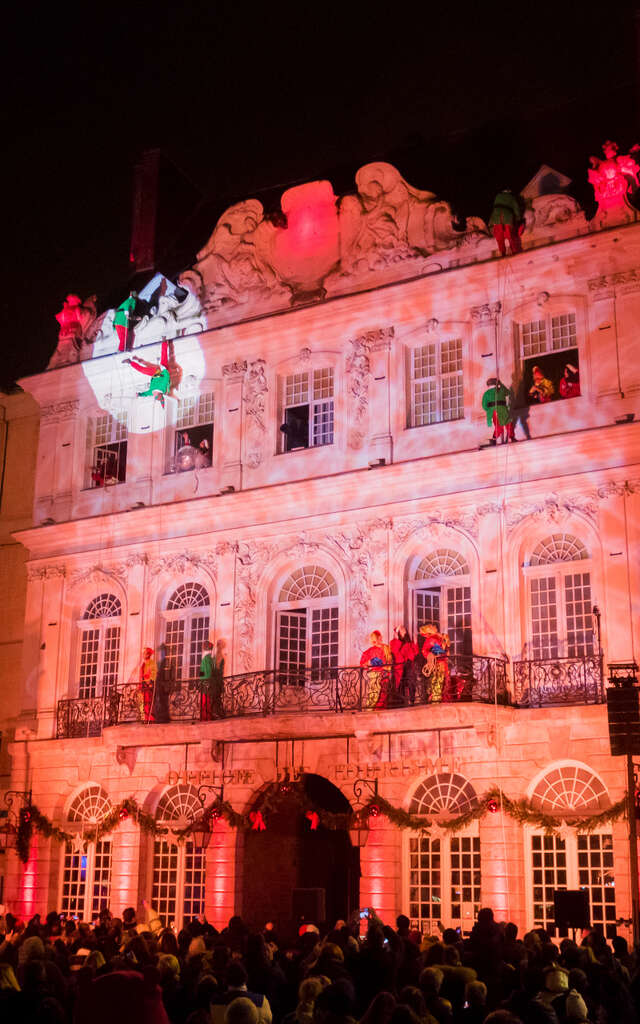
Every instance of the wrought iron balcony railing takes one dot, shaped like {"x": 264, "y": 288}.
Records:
{"x": 543, "y": 683}
{"x": 473, "y": 678}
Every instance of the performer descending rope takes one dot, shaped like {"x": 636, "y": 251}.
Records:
{"x": 160, "y": 382}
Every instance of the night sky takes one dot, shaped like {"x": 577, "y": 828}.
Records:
{"x": 246, "y": 102}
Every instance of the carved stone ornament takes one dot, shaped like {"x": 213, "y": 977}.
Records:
{"x": 59, "y": 411}
{"x": 466, "y": 522}
{"x": 254, "y": 393}
{"x": 613, "y": 178}
{"x": 45, "y": 572}
{"x": 358, "y": 366}
{"x": 432, "y": 324}
{"x": 551, "y": 213}
{"x": 98, "y": 574}
{"x": 184, "y": 562}
{"x": 629, "y": 280}
{"x": 235, "y": 369}
{"x": 487, "y": 313}
{"x": 554, "y": 509}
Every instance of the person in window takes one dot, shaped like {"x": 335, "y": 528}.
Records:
{"x": 505, "y": 221}
{"x": 496, "y": 402}
{"x": 435, "y": 649}
{"x": 376, "y": 658}
{"x": 542, "y": 389}
{"x": 569, "y": 386}
{"x": 206, "y": 677}
{"x": 403, "y": 654}
{"x": 217, "y": 679}
{"x": 148, "y": 675}
{"x": 202, "y": 458}
{"x": 160, "y": 382}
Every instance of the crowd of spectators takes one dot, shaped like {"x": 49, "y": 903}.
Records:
{"x": 121, "y": 970}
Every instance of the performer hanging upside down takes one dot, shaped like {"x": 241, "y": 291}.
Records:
{"x": 376, "y": 658}
{"x": 436, "y": 668}
{"x": 160, "y": 382}
{"x": 148, "y": 675}
{"x": 403, "y": 654}
{"x": 496, "y": 402}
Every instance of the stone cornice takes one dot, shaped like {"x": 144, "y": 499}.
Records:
{"x": 389, "y": 491}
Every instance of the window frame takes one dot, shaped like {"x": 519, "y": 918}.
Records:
{"x": 201, "y": 421}
{"x": 102, "y": 626}
{"x": 165, "y": 847}
{"x": 551, "y": 310}
{"x": 572, "y": 869}
{"x": 186, "y": 614}
{"x": 559, "y": 571}
{"x": 93, "y": 851}
{"x": 313, "y": 672}
{"x": 468, "y": 909}
{"x": 313, "y": 405}
{"x": 116, "y": 440}
{"x": 446, "y": 584}
{"x": 438, "y": 377}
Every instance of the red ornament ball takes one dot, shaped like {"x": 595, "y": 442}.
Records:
{"x": 492, "y": 806}
{"x": 374, "y": 811}
{"x": 124, "y": 814}
{"x": 216, "y": 813}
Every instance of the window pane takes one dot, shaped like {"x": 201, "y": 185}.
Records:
{"x": 322, "y": 428}
{"x": 324, "y": 640}
{"x": 296, "y": 389}
{"x": 533, "y": 338}
{"x": 174, "y": 640}
{"x": 554, "y": 878}
{"x": 292, "y": 646}
{"x": 88, "y": 675}
{"x": 544, "y": 622}
{"x": 577, "y": 589}
{"x": 563, "y": 331}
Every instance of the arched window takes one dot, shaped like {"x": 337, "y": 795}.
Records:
{"x": 306, "y": 626}
{"x": 186, "y": 628}
{"x": 572, "y": 860}
{"x": 99, "y": 658}
{"x": 559, "y": 599}
{"x": 86, "y": 870}
{"x": 178, "y": 868}
{"x": 440, "y": 592}
{"x": 443, "y": 870}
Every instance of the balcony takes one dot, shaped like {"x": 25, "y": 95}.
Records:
{"x": 473, "y": 678}
{"x": 554, "y": 681}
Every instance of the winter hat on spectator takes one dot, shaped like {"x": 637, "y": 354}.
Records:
{"x": 575, "y": 1007}
{"x": 123, "y": 996}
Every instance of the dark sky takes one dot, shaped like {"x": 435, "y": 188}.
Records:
{"x": 244, "y": 100}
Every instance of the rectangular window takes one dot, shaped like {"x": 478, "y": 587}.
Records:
{"x": 577, "y": 590}
{"x": 308, "y": 409}
{"x": 86, "y": 879}
{"x": 194, "y": 878}
{"x": 324, "y": 641}
{"x": 107, "y": 449}
{"x": 89, "y": 653}
{"x": 455, "y": 602}
{"x": 425, "y": 891}
{"x": 436, "y": 383}
{"x": 549, "y": 358}
{"x": 292, "y": 647}
{"x": 466, "y": 878}
{"x": 193, "y": 437}
{"x": 165, "y": 879}
{"x": 549, "y": 867}
{"x": 544, "y": 618}
{"x": 595, "y": 873}
{"x": 174, "y": 641}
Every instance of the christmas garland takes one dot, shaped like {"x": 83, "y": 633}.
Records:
{"x": 491, "y": 801}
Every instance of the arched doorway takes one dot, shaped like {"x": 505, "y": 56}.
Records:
{"x": 281, "y": 867}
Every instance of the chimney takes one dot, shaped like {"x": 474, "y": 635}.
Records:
{"x": 142, "y": 251}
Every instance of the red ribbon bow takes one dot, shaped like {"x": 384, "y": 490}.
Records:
{"x": 257, "y": 821}
{"x": 314, "y": 819}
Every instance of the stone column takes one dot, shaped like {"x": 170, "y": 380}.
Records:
{"x": 229, "y": 425}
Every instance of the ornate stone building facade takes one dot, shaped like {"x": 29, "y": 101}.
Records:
{"x": 321, "y": 468}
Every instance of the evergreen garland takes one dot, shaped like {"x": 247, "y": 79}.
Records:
{"x": 520, "y": 810}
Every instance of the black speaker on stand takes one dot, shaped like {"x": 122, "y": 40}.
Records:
{"x": 571, "y": 909}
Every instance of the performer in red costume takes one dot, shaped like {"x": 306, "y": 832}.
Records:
{"x": 148, "y": 674}
{"x": 376, "y": 659}
{"x": 160, "y": 382}
{"x": 436, "y": 668}
{"x": 569, "y": 386}
{"x": 403, "y": 654}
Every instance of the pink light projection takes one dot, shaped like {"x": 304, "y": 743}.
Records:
{"x": 308, "y": 248}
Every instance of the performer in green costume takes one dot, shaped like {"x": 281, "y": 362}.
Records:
{"x": 496, "y": 402}
{"x": 505, "y": 221}
{"x": 160, "y": 382}
{"x": 123, "y": 321}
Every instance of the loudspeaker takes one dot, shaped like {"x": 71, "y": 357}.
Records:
{"x": 308, "y": 905}
{"x": 571, "y": 908}
{"x": 624, "y": 720}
